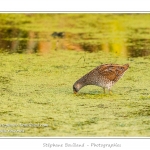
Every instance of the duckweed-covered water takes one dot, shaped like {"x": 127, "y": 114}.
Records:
{"x": 42, "y": 55}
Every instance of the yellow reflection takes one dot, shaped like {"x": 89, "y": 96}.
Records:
{"x": 116, "y": 39}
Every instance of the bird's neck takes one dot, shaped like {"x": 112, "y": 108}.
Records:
{"x": 80, "y": 84}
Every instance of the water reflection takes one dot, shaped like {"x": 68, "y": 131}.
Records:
{"x": 138, "y": 47}
{"x": 14, "y": 40}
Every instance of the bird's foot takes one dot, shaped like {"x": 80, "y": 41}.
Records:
{"x": 110, "y": 92}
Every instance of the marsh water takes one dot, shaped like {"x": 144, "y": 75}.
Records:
{"x": 41, "y": 58}
{"x": 123, "y": 34}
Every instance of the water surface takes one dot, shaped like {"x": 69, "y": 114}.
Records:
{"x": 117, "y": 33}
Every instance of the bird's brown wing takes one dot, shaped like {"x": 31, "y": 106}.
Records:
{"x": 109, "y": 71}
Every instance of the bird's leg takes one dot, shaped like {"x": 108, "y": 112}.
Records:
{"x": 104, "y": 90}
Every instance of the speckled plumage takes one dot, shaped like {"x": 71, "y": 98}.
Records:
{"x": 104, "y": 76}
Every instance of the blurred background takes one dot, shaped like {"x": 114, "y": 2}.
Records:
{"x": 123, "y": 34}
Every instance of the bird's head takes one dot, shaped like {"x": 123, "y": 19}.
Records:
{"x": 76, "y": 87}
{"x": 75, "y": 90}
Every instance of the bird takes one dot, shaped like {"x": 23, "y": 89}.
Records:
{"x": 105, "y": 76}
{"x": 58, "y": 34}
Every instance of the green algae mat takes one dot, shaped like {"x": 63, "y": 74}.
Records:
{"x": 37, "y": 100}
